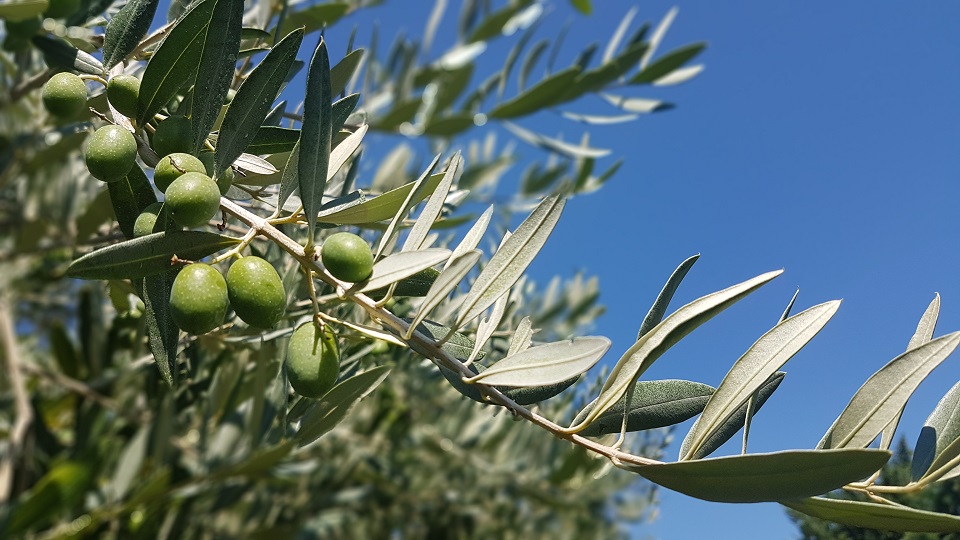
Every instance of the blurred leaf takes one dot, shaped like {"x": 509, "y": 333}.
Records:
{"x": 472, "y": 239}
{"x": 511, "y": 260}
{"x": 538, "y": 97}
{"x": 756, "y": 366}
{"x": 175, "y": 61}
{"x": 777, "y": 476}
{"x": 596, "y": 79}
{"x": 635, "y": 105}
{"x": 583, "y": 6}
{"x": 401, "y": 265}
{"x": 652, "y": 345}
{"x": 546, "y": 364}
{"x": 447, "y": 281}
{"x": 18, "y": 10}
{"x": 147, "y": 255}
{"x": 555, "y": 145}
{"x": 655, "y": 404}
{"x": 679, "y": 76}
{"x": 597, "y": 120}
{"x": 493, "y": 24}
{"x": 736, "y": 421}
{"x": 126, "y": 29}
{"x": 315, "y": 137}
{"x": 314, "y": 17}
{"x": 880, "y": 399}
{"x": 162, "y": 332}
{"x": 660, "y": 305}
{"x": 333, "y": 407}
{"x": 935, "y": 446}
{"x": 218, "y": 61}
{"x": 128, "y": 466}
{"x": 381, "y": 207}
{"x": 341, "y": 73}
{"x": 431, "y": 211}
{"x": 667, "y": 63}
{"x": 58, "y": 53}
{"x": 875, "y": 516}
{"x": 253, "y": 101}
{"x": 129, "y": 197}
{"x": 529, "y": 62}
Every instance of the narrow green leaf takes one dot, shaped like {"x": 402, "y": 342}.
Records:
{"x": 449, "y": 278}
{"x": 315, "y": 137}
{"x": 341, "y": 110}
{"x": 401, "y": 265}
{"x": 431, "y": 212}
{"x": 415, "y": 286}
{"x": 652, "y": 345}
{"x": 386, "y": 241}
{"x": 129, "y": 197}
{"x": 511, "y": 260}
{"x": 381, "y": 207}
{"x": 667, "y": 63}
{"x": 126, "y": 29}
{"x": 253, "y": 100}
{"x": 546, "y": 364}
{"x": 535, "y": 394}
{"x": 289, "y": 180}
{"x": 493, "y": 24}
{"x": 882, "y": 397}
{"x": 736, "y": 421}
{"x": 777, "y": 476}
{"x": 875, "y": 516}
{"x": 59, "y": 53}
{"x": 471, "y": 240}
{"x": 655, "y": 404}
{"x": 538, "y": 97}
{"x": 339, "y": 156}
{"x": 555, "y": 145}
{"x": 273, "y": 140}
{"x": 148, "y": 255}
{"x": 218, "y": 61}
{"x": 596, "y": 79}
{"x": 175, "y": 61}
{"x": 18, "y": 10}
{"x": 529, "y": 62}
{"x": 938, "y": 434}
{"x": 334, "y": 406}
{"x": 315, "y": 17}
{"x": 583, "y": 6}
{"x": 762, "y": 360}
{"x": 162, "y": 333}
{"x": 341, "y": 73}
{"x": 660, "y": 305}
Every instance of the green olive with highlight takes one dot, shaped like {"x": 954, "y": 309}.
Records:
{"x": 147, "y": 220}
{"x": 192, "y": 199}
{"x": 198, "y": 299}
{"x": 347, "y": 257}
{"x": 173, "y": 166}
{"x": 111, "y": 153}
{"x": 64, "y": 95}
{"x": 123, "y": 91}
{"x": 256, "y": 292}
{"x": 313, "y": 360}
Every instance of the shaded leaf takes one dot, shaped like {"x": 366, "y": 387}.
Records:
{"x": 341, "y": 73}
{"x": 217, "y": 63}
{"x": 667, "y": 63}
{"x": 655, "y": 404}
{"x": 776, "y": 476}
{"x": 315, "y": 137}
{"x": 882, "y": 397}
{"x": 147, "y": 255}
{"x": 546, "y": 364}
{"x": 401, "y": 265}
{"x": 875, "y": 516}
{"x": 273, "y": 140}
{"x": 129, "y": 196}
{"x": 447, "y": 281}
{"x": 755, "y": 367}
{"x": 539, "y": 96}
{"x": 126, "y": 29}
{"x": 660, "y": 305}
{"x": 315, "y": 17}
{"x": 334, "y": 406}
{"x": 162, "y": 333}
{"x": 939, "y": 432}
{"x": 59, "y": 53}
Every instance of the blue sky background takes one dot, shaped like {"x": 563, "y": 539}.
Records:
{"x": 822, "y": 138}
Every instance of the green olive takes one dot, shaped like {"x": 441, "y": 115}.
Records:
{"x": 313, "y": 360}
{"x": 347, "y": 257}
{"x": 207, "y": 159}
{"x": 147, "y": 220}
{"x": 173, "y": 166}
{"x": 111, "y": 153}
{"x": 64, "y": 95}
{"x": 256, "y": 292}
{"x": 193, "y": 199}
{"x": 173, "y": 135}
{"x": 123, "y": 92}
{"x": 225, "y": 180}
{"x": 198, "y": 299}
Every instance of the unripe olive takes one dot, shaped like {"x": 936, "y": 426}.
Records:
{"x": 173, "y": 135}
{"x": 313, "y": 360}
{"x": 111, "y": 153}
{"x": 19, "y": 32}
{"x": 147, "y": 220}
{"x": 207, "y": 159}
{"x": 173, "y": 166}
{"x": 123, "y": 92}
{"x": 58, "y": 9}
{"x": 198, "y": 299}
{"x": 225, "y": 180}
{"x": 256, "y": 292}
{"x": 347, "y": 257}
{"x": 64, "y": 95}
{"x": 193, "y": 199}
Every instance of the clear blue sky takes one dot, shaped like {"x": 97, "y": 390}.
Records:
{"x": 823, "y": 138}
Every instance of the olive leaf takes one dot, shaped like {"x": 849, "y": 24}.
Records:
{"x": 762, "y": 360}
{"x": 777, "y": 476}
{"x": 638, "y": 358}
{"x": 382, "y": 207}
{"x": 539, "y": 96}
{"x": 876, "y": 516}
{"x": 655, "y": 404}
{"x": 148, "y": 255}
{"x": 59, "y": 53}
{"x": 341, "y": 73}
{"x": 511, "y": 260}
{"x": 667, "y": 63}
{"x": 162, "y": 333}
{"x": 935, "y": 446}
{"x": 401, "y": 265}
{"x": 330, "y": 409}
{"x": 126, "y": 29}
{"x": 882, "y": 397}
{"x": 338, "y": 158}
{"x": 253, "y": 101}
{"x": 449, "y": 278}
{"x": 471, "y": 240}
{"x": 217, "y": 63}
{"x": 660, "y": 305}
{"x": 129, "y": 196}
{"x": 431, "y": 212}
{"x": 316, "y": 136}
{"x": 546, "y": 364}
{"x": 418, "y": 186}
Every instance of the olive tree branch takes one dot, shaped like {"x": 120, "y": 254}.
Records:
{"x": 24, "y": 415}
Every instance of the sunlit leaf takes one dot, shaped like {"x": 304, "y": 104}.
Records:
{"x": 431, "y": 211}
{"x": 400, "y": 265}
{"x": 875, "y": 516}
{"x": 660, "y": 305}
{"x": 447, "y": 281}
{"x": 334, "y": 406}
{"x": 937, "y": 436}
{"x": 379, "y": 208}
{"x": 471, "y": 240}
{"x": 555, "y": 145}
{"x": 546, "y": 364}
{"x": 126, "y": 29}
{"x": 777, "y": 476}
{"x": 59, "y": 53}
{"x": 541, "y": 95}
{"x": 147, "y": 255}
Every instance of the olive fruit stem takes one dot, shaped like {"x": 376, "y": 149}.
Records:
{"x": 263, "y": 227}
{"x": 95, "y": 78}
{"x": 235, "y": 250}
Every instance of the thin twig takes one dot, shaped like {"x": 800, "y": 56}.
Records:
{"x": 24, "y": 416}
